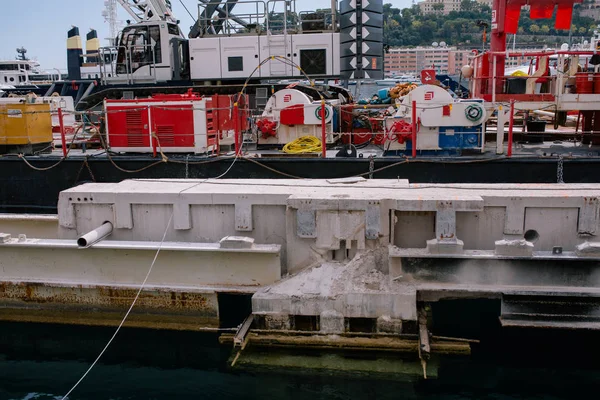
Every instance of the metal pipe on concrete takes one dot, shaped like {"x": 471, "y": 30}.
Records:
{"x": 95, "y": 236}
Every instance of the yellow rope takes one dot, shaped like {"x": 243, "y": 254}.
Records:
{"x": 302, "y": 145}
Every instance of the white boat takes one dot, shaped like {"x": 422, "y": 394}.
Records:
{"x": 23, "y": 72}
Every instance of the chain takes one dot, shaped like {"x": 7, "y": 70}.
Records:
{"x": 90, "y": 170}
{"x": 371, "y": 166}
{"x": 559, "y": 170}
{"x": 85, "y": 164}
{"x": 187, "y": 166}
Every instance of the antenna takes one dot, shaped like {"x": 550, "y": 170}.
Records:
{"x": 22, "y": 51}
{"x": 110, "y": 16}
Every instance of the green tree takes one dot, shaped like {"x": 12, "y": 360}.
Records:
{"x": 438, "y": 7}
{"x": 468, "y": 5}
{"x": 545, "y": 29}
{"x": 533, "y": 28}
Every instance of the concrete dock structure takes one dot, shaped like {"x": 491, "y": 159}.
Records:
{"x": 332, "y": 257}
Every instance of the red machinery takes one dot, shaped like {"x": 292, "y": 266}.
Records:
{"x": 171, "y": 123}
{"x": 360, "y": 135}
{"x": 490, "y": 67}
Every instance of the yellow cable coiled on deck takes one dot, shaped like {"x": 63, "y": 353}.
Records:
{"x": 304, "y": 144}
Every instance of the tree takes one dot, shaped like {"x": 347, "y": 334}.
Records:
{"x": 545, "y": 29}
{"x": 468, "y": 5}
{"x": 534, "y": 28}
{"x": 438, "y": 7}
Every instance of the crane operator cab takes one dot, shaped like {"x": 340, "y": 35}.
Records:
{"x": 145, "y": 51}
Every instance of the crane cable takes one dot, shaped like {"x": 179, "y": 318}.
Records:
{"x": 188, "y": 11}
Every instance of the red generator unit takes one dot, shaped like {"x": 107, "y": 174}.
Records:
{"x": 171, "y": 123}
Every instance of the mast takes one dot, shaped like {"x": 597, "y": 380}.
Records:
{"x": 111, "y": 17}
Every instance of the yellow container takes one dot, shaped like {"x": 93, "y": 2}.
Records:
{"x": 23, "y": 124}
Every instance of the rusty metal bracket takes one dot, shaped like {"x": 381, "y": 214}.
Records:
{"x": 424, "y": 345}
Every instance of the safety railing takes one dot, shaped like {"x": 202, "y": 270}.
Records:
{"x": 550, "y": 75}
{"x": 232, "y": 17}
{"x": 533, "y": 87}
{"x": 316, "y": 21}
{"x": 256, "y": 16}
{"x": 136, "y": 57}
{"x": 107, "y": 64}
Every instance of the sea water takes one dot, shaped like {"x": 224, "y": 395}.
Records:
{"x": 39, "y": 361}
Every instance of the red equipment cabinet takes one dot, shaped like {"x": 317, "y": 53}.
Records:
{"x": 171, "y": 123}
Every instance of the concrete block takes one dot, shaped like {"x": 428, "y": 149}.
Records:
{"x": 588, "y": 249}
{"x": 387, "y": 324}
{"x": 373, "y": 222}
{"x": 278, "y": 321}
{"x": 445, "y": 221}
{"x": 333, "y": 226}
{"x": 123, "y": 215}
{"x": 243, "y": 215}
{"x": 306, "y": 223}
{"x": 5, "y": 237}
{"x": 516, "y": 248}
{"x": 588, "y": 216}
{"x": 236, "y": 242}
{"x": 435, "y": 246}
{"x": 332, "y": 321}
{"x": 182, "y": 220}
{"x": 514, "y": 219}
{"x": 33, "y": 225}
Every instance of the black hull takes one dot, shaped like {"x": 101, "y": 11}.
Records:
{"x": 24, "y": 189}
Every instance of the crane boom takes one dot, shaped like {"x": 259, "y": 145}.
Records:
{"x": 149, "y": 10}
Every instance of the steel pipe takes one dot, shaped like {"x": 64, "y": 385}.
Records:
{"x": 95, "y": 236}
{"x": 63, "y": 140}
{"x": 511, "y": 125}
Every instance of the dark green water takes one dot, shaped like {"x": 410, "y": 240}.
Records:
{"x": 44, "y": 361}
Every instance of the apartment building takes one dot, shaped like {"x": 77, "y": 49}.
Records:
{"x": 444, "y": 59}
{"x": 430, "y": 6}
{"x": 591, "y": 9}
{"x": 412, "y": 60}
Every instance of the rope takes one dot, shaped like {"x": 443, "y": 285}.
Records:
{"x": 142, "y": 285}
{"x": 273, "y": 169}
{"x": 303, "y": 145}
{"x": 126, "y": 314}
{"x": 21, "y": 156}
{"x": 404, "y": 161}
{"x": 134, "y": 171}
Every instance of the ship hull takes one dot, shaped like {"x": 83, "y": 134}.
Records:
{"x": 27, "y": 190}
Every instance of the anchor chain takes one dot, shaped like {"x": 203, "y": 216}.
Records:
{"x": 87, "y": 165}
{"x": 187, "y": 166}
{"x": 559, "y": 170}
{"x": 371, "y": 166}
